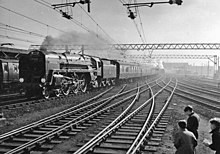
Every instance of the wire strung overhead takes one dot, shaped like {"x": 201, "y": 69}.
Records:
{"x": 15, "y": 38}
{"x": 31, "y": 19}
{"x": 72, "y": 20}
{"x": 19, "y": 30}
{"x": 98, "y": 25}
{"x": 133, "y": 14}
{"x": 139, "y": 33}
{"x": 139, "y": 15}
{"x": 68, "y": 12}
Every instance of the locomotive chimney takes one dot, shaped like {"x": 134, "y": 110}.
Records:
{"x": 82, "y": 49}
{"x": 66, "y": 49}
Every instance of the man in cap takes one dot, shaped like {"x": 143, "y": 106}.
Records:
{"x": 184, "y": 140}
{"x": 215, "y": 127}
{"x": 192, "y": 121}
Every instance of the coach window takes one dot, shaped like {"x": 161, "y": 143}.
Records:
{"x": 126, "y": 70}
{"x": 6, "y": 67}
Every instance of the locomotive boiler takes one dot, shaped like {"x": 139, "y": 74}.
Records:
{"x": 50, "y": 73}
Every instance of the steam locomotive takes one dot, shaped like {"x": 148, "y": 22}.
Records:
{"x": 50, "y": 73}
{"x": 9, "y": 74}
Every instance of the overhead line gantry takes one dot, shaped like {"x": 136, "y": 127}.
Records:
{"x": 168, "y": 46}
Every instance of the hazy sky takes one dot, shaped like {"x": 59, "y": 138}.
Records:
{"x": 195, "y": 21}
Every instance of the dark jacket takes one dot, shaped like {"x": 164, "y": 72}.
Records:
{"x": 215, "y": 140}
{"x": 193, "y": 124}
{"x": 185, "y": 142}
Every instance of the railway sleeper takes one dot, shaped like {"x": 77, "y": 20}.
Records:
{"x": 107, "y": 151}
{"x": 120, "y": 146}
{"x": 11, "y": 144}
{"x": 41, "y": 132}
{"x": 132, "y": 124}
{"x": 131, "y": 127}
{"x": 4, "y": 150}
{"x": 119, "y": 141}
{"x": 126, "y": 133}
{"x": 123, "y": 137}
{"x": 21, "y": 139}
{"x": 129, "y": 130}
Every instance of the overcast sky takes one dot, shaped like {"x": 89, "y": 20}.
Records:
{"x": 195, "y": 21}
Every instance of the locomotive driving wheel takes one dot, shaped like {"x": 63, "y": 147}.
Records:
{"x": 83, "y": 83}
{"x": 57, "y": 92}
{"x": 65, "y": 88}
{"x": 112, "y": 82}
{"x": 74, "y": 87}
{"x": 46, "y": 93}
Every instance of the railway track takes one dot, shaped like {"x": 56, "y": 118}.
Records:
{"x": 10, "y": 103}
{"x": 23, "y": 101}
{"x": 201, "y": 84}
{"x": 137, "y": 129}
{"x": 7, "y": 96}
{"x": 48, "y": 131}
{"x": 208, "y": 81}
{"x": 195, "y": 98}
{"x": 213, "y": 93}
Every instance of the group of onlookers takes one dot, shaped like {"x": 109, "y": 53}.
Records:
{"x": 185, "y": 139}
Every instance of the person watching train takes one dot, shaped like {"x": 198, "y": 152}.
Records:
{"x": 184, "y": 140}
{"x": 192, "y": 121}
{"x": 215, "y": 131}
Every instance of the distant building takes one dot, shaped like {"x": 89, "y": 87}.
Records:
{"x": 181, "y": 68}
{"x": 186, "y": 69}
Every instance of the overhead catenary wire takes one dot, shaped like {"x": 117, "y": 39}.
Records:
{"x": 122, "y": 1}
{"x": 47, "y": 4}
{"x": 19, "y": 30}
{"x": 139, "y": 33}
{"x": 31, "y": 19}
{"x": 97, "y": 24}
{"x": 138, "y": 13}
{"x": 15, "y": 38}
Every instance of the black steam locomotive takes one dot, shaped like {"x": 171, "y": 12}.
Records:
{"x": 50, "y": 73}
{"x": 9, "y": 74}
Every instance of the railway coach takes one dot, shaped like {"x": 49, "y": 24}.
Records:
{"x": 9, "y": 74}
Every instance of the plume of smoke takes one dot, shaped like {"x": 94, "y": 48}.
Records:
{"x": 78, "y": 38}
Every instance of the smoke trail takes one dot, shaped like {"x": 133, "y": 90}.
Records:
{"x": 98, "y": 46}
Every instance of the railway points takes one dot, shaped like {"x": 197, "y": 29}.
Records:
{"x": 90, "y": 82}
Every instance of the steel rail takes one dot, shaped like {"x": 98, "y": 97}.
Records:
{"x": 214, "y": 93}
{"x": 68, "y": 126}
{"x": 198, "y": 96}
{"x": 48, "y": 119}
{"x": 209, "y": 81}
{"x": 196, "y": 101}
{"x": 42, "y": 121}
{"x": 200, "y": 82}
{"x": 115, "y": 121}
{"x": 145, "y": 124}
{"x": 207, "y": 90}
{"x": 111, "y": 130}
{"x": 136, "y": 148}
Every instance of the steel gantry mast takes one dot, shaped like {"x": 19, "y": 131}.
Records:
{"x": 168, "y": 46}
{"x": 174, "y": 46}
